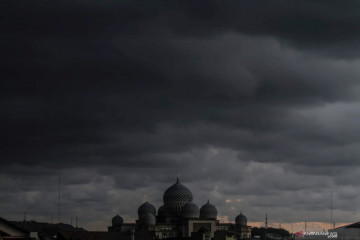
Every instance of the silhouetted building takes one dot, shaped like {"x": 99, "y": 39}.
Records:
{"x": 179, "y": 217}
{"x": 348, "y": 232}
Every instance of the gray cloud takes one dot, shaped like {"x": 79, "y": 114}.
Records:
{"x": 254, "y": 103}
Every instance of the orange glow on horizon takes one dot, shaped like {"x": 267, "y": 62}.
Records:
{"x": 291, "y": 227}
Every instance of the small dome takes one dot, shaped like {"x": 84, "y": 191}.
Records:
{"x": 148, "y": 220}
{"x": 146, "y": 208}
{"x": 176, "y": 196}
{"x": 241, "y": 220}
{"x": 117, "y": 220}
{"x": 190, "y": 210}
{"x": 161, "y": 211}
{"x": 208, "y": 211}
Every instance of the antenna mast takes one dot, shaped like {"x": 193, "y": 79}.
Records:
{"x": 59, "y": 198}
{"x": 331, "y": 210}
{"x": 24, "y": 219}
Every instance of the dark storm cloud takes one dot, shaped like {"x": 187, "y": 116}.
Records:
{"x": 121, "y": 111}
{"x": 249, "y": 101}
{"x": 306, "y": 23}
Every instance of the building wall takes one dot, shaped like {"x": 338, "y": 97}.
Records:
{"x": 347, "y": 233}
{"x": 243, "y": 232}
{"x": 165, "y": 231}
{"x": 222, "y": 235}
{"x": 192, "y": 225}
{"x": 224, "y": 226}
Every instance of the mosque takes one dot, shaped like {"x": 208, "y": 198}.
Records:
{"x": 179, "y": 217}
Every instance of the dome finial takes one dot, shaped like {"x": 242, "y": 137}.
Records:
{"x": 177, "y": 179}
{"x": 208, "y": 201}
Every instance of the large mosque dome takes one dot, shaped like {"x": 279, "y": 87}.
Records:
{"x": 176, "y": 196}
{"x": 146, "y": 208}
{"x": 208, "y": 211}
{"x": 190, "y": 210}
{"x": 148, "y": 220}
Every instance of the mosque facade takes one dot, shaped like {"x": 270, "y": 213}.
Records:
{"x": 179, "y": 217}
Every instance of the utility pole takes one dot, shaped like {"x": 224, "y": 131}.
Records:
{"x": 266, "y": 221}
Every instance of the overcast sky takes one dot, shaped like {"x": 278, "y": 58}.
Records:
{"x": 254, "y": 104}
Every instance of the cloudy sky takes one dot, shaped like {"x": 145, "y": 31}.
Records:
{"x": 254, "y": 104}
